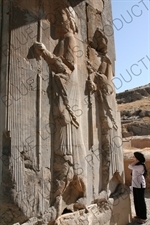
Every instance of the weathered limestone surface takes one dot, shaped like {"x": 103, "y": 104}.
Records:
{"x": 100, "y": 213}
{"x": 61, "y": 145}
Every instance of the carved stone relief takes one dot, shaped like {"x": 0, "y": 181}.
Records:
{"x": 65, "y": 152}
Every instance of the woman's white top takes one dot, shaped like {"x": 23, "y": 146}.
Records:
{"x": 138, "y": 180}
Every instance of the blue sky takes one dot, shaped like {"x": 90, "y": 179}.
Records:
{"x": 131, "y": 23}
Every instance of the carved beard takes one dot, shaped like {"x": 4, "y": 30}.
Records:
{"x": 62, "y": 28}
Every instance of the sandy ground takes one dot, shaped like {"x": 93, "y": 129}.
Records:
{"x": 147, "y": 198}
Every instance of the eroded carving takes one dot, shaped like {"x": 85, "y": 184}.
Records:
{"x": 67, "y": 149}
{"x": 70, "y": 157}
{"x": 100, "y": 82}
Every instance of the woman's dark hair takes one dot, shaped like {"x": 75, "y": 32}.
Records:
{"x": 145, "y": 169}
{"x": 139, "y": 156}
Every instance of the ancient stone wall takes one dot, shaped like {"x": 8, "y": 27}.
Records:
{"x": 61, "y": 143}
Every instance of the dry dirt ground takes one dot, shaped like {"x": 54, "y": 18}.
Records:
{"x": 139, "y": 104}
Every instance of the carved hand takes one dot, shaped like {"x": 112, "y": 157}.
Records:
{"x": 39, "y": 47}
{"x": 91, "y": 85}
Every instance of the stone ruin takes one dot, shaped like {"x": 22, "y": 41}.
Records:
{"x": 61, "y": 159}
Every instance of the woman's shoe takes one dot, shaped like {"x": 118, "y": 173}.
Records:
{"x": 140, "y": 221}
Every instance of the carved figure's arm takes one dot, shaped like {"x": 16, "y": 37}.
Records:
{"x": 69, "y": 53}
{"x": 56, "y": 64}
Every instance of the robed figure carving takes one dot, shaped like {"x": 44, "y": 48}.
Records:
{"x": 68, "y": 152}
{"x": 68, "y": 162}
{"x": 100, "y": 71}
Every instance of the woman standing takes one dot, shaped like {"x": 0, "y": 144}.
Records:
{"x": 139, "y": 172}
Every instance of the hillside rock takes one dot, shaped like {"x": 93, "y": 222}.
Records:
{"x": 134, "y": 107}
{"x": 133, "y": 94}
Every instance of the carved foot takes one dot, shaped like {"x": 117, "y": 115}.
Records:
{"x": 80, "y": 204}
{"x": 102, "y": 196}
{"x": 50, "y": 216}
